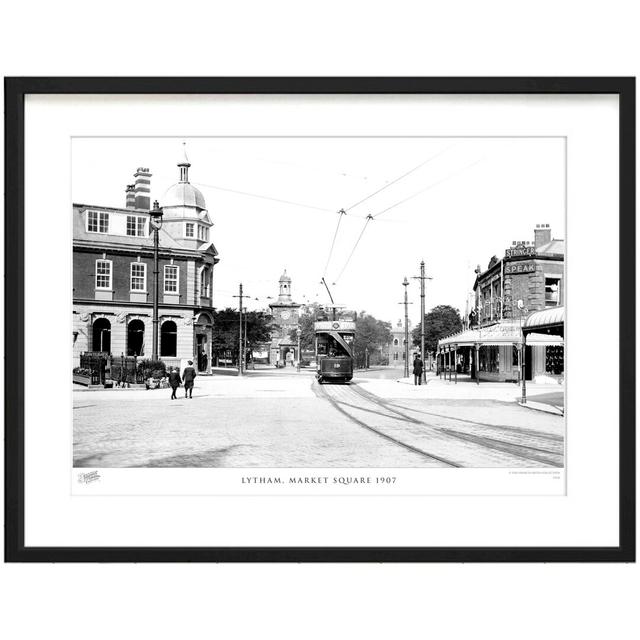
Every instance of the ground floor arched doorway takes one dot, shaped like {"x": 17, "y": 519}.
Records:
{"x": 101, "y": 335}
{"x": 135, "y": 338}
{"x": 168, "y": 339}
{"x": 288, "y": 356}
{"x": 203, "y": 331}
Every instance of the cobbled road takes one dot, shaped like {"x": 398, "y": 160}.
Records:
{"x": 313, "y": 426}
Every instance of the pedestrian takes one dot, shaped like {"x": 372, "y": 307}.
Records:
{"x": 188, "y": 376}
{"x": 174, "y": 381}
{"x": 417, "y": 370}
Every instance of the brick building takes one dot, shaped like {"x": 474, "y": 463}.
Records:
{"x": 529, "y": 271}
{"x": 113, "y": 275}
{"x": 528, "y": 278}
{"x": 286, "y": 317}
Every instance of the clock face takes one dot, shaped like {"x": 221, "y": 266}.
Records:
{"x": 285, "y": 315}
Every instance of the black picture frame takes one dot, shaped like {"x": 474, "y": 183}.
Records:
{"x": 15, "y": 91}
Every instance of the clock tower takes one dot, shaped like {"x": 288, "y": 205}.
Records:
{"x": 286, "y": 316}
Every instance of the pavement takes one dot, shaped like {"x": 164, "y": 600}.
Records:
{"x": 542, "y": 397}
{"x": 384, "y": 382}
{"x": 284, "y": 418}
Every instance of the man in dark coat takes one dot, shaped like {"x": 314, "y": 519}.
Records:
{"x": 188, "y": 376}
{"x": 417, "y": 370}
{"x": 174, "y": 381}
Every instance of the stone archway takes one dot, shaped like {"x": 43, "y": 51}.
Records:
{"x": 203, "y": 340}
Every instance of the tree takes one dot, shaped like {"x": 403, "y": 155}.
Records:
{"x": 226, "y": 331}
{"x": 372, "y": 336}
{"x": 306, "y": 323}
{"x": 440, "y": 322}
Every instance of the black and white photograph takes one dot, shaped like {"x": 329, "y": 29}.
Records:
{"x": 319, "y": 302}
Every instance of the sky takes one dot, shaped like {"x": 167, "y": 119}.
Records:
{"x": 452, "y": 202}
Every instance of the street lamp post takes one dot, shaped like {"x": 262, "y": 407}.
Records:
{"x": 156, "y": 224}
{"x": 405, "y": 284}
{"x": 298, "y": 332}
{"x": 522, "y": 309}
{"x": 240, "y": 333}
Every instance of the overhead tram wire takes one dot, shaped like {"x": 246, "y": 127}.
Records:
{"x": 433, "y": 184}
{"x": 397, "y": 204}
{"x": 263, "y": 197}
{"x": 270, "y": 198}
{"x": 368, "y": 219}
{"x": 333, "y": 243}
{"x": 404, "y": 175}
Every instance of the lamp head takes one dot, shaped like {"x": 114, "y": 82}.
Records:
{"x": 156, "y": 215}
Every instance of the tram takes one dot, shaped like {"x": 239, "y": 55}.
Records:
{"x": 335, "y": 330}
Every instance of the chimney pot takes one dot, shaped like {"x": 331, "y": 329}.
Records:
{"x": 542, "y": 235}
{"x": 142, "y": 188}
{"x": 131, "y": 196}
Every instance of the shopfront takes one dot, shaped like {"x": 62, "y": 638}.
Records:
{"x": 543, "y": 334}
{"x": 490, "y": 353}
{"x": 505, "y": 351}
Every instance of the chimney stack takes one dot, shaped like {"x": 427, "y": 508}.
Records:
{"x": 143, "y": 188}
{"x": 542, "y": 235}
{"x": 131, "y": 196}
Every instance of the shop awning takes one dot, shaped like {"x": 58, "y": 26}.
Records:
{"x": 544, "y": 339}
{"x": 494, "y": 335}
{"x": 553, "y": 316}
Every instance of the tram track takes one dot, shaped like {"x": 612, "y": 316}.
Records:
{"x": 323, "y": 392}
{"x": 456, "y": 442}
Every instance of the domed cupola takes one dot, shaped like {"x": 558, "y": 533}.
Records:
{"x": 184, "y": 194}
{"x": 185, "y": 212}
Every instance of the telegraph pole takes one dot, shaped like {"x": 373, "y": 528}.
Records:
{"x": 245, "y": 353}
{"x": 240, "y": 334}
{"x": 422, "y": 278}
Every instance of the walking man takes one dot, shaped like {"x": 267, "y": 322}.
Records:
{"x": 417, "y": 369}
{"x": 174, "y": 381}
{"x": 188, "y": 376}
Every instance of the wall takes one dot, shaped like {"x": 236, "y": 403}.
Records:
{"x": 84, "y": 268}
{"x": 119, "y": 316}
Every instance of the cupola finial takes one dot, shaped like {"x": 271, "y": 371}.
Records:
{"x": 184, "y": 165}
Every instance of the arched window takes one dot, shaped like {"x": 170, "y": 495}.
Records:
{"x": 395, "y": 342}
{"x": 204, "y": 283}
{"x": 101, "y": 335}
{"x": 135, "y": 338}
{"x": 168, "y": 339}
